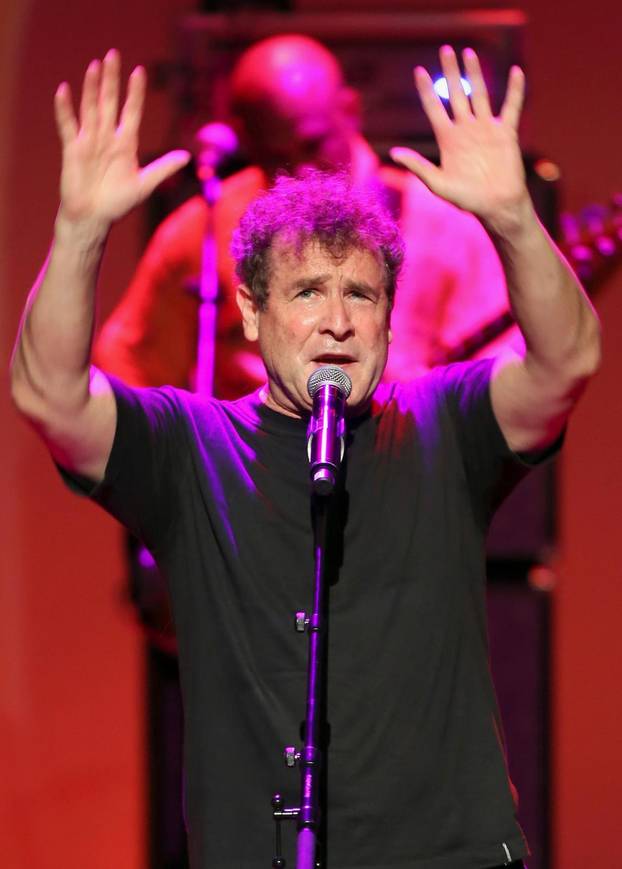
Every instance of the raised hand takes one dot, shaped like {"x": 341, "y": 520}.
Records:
{"x": 101, "y": 179}
{"x": 481, "y": 167}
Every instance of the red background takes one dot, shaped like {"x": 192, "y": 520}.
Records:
{"x": 70, "y": 663}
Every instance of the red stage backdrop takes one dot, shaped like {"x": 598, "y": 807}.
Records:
{"x": 70, "y": 666}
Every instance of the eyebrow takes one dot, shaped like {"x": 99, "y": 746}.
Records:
{"x": 310, "y": 281}
{"x": 313, "y": 280}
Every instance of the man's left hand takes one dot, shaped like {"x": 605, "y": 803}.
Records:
{"x": 481, "y": 167}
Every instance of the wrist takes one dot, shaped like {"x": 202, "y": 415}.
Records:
{"x": 510, "y": 223}
{"x": 82, "y": 234}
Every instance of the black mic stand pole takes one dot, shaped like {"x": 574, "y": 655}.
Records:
{"x": 312, "y": 756}
{"x": 326, "y": 444}
{"x": 208, "y": 295}
{"x": 310, "y": 759}
{"x": 215, "y": 142}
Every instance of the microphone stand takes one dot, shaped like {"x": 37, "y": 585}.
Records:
{"x": 208, "y": 295}
{"x": 311, "y": 762}
{"x": 310, "y": 759}
{"x": 329, "y": 387}
{"x": 214, "y": 143}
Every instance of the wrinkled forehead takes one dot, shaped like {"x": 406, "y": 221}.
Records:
{"x": 293, "y": 250}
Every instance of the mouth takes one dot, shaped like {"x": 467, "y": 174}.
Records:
{"x": 334, "y": 359}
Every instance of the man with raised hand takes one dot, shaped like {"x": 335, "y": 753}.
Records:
{"x": 219, "y": 490}
{"x": 54, "y": 383}
{"x": 482, "y": 172}
{"x": 292, "y": 108}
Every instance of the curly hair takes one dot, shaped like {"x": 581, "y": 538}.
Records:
{"x": 317, "y": 206}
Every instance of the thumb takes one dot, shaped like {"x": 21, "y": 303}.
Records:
{"x": 419, "y": 166}
{"x": 159, "y": 170}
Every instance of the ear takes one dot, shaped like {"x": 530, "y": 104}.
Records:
{"x": 250, "y": 312}
{"x": 389, "y": 336}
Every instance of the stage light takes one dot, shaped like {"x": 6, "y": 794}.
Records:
{"x": 440, "y": 86}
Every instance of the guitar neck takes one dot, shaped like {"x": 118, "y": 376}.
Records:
{"x": 476, "y": 341}
{"x": 592, "y": 244}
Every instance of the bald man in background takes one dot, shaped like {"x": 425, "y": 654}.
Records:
{"x": 292, "y": 109}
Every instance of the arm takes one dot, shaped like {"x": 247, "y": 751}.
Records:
{"x": 53, "y": 384}
{"x": 482, "y": 172}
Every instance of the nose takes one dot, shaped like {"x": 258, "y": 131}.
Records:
{"x": 336, "y": 319}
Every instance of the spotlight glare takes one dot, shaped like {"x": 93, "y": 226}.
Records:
{"x": 441, "y": 88}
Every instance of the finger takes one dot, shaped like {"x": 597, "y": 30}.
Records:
{"x": 458, "y": 100}
{"x": 479, "y": 92}
{"x": 161, "y": 169}
{"x": 514, "y": 96}
{"x": 132, "y": 110}
{"x": 88, "y": 102}
{"x": 432, "y": 105}
{"x": 66, "y": 122}
{"x": 109, "y": 92}
{"x": 430, "y": 174}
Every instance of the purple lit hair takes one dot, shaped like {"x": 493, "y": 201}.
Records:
{"x": 318, "y": 206}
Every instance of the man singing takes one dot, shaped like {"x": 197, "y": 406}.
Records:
{"x": 292, "y": 108}
{"x": 219, "y": 491}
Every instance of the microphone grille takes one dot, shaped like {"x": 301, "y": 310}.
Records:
{"x": 329, "y": 374}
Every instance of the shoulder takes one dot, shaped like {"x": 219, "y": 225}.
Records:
{"x": 213, "y": 420}
{"x": 460, "y": 377}
{"x": 186, "y": 225}
{"x": 157, "y": 407}
{"x": 187, "y": 221}
{"x": 246, "y": 182}
{"x": 451, "y": 387}
{"x": 440, "y": 379}
{"x": 160, "y": 404}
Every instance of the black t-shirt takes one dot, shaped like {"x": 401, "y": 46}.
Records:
{"x": 219, "y": 493}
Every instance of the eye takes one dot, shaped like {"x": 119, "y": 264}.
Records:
{"x": 360, "y": 295}
{"x": 307, "y": 293}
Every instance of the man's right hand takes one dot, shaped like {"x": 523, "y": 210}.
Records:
{"x": 53, "y": 385}
{"x": 101, "y": 179}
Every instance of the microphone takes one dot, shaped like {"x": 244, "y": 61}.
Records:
{"x": 213, "y": 144}
{"x": 329, "y": 387}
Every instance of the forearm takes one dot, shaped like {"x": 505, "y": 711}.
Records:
{"x": 482, "y": 172}
{"x": 71, "y": 405}
{"x": 51, "y": 362}
{"x": 558, "y": 323}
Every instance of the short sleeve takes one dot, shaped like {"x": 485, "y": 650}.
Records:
{"x": 492, "y": 469}
{"x": 146, "y": 464}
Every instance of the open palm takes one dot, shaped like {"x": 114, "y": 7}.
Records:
{"x": 101, "y": 179}
{"x": 481, "y": 167}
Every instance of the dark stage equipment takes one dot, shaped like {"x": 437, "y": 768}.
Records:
{"x": 376, "y": 50}
{"x": 519, "y": 626}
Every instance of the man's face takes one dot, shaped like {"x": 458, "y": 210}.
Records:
{"x": 320, "y": 311}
